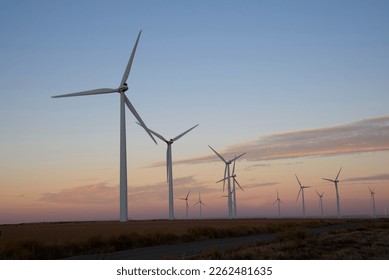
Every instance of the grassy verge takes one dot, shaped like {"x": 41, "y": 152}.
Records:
{"x": 41, "y": 249}
{"x": 366, "y": 242}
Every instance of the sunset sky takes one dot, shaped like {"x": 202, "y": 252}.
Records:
{"x": 301, "y": 86}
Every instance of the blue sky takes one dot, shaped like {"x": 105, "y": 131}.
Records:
{"x": 241, "y": 69}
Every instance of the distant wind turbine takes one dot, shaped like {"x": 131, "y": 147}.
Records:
{"x": 200, "y": 203}
{"x": 169, "y": 164}
{"x": 234, "y": 183}
{"x": 123, "y": 87}
{"x": 372, "y": 193}
{"x": 302, "y": 194}
{"x": 278, "y": 201}
{"x": 336, "y": 181}
{"x": 321, "y": 202}
{"x": 186, "y": 204}
{"x": 227, "y": 174}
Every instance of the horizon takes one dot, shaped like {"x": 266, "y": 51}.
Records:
{"x": 300, "y": 87}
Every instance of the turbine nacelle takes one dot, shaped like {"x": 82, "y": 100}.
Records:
{"x": 123, "y": 88}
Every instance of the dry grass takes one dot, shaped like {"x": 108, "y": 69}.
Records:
{"x": 367, "y": 242}
{"x": 60, "y": 240}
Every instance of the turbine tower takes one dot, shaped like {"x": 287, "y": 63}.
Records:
{"x": 278, "y": 201}
{"x": 200, "y": 204}
{"x": 372, "y": 193}
{"x": 228, "y": 173}
{"x": 123, "y": 87}
{"x": 336, "y": 181}
{"x": 169, "y": 165}
{"x": 234, "y": 183}
{"x": 302, "y": 194}
{"x": 186, "y": 204}
{"x": 321, "y": 203}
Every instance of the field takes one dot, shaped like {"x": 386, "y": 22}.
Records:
{"x": 66, "y": 239}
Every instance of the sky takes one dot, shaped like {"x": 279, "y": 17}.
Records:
{"x": 300, "y": 86}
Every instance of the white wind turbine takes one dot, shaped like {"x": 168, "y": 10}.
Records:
{"x": 123, "y": 102}
{"x": 302, "y": 194}
{"x": 169, "y": 164}
{"x": 336, "y": 181}
{"x": 186, "y": 204}
{"x": 234, "y": 183}
{"x": 278, "y": 201}
{"x": 227, "y": 172}
{"x": 321, "y": 202}
{"x": 200, "y": 203}
{"x": 372, "y": 193}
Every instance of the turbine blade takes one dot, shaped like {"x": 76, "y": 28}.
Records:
{"x": 275, "y": 201}
{"x": 187, "y": 195}
{"x": 235, "y": 158}
{"x": 196, "y": 204}
{"x": 218, "y": 155}
{"x": 328, "y": 180}
{"x": 202, "y": 203}
{"x": 88, "y": 92}
{"x": 154, "y": 133}
{"x": 298, "y": 181}
{"x": 182, "y": 134}
{"x": 233, "y": 169}
{"x": 135, "y": 113}
{"x": 338, "y": 174}
{"x": 129, "y": 64}
{"x": 221, "y": 180}
{"x": 225, "y": 172}
{"x": 238, "y": 184}
{"x": 298, "y": 194}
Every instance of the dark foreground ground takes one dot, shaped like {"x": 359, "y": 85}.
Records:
{"x": 201, "y": 239}
{"x": 369, "y": 241}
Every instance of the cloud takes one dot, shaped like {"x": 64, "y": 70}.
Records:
{"x": 260, "y": 185}
{"x": 88, "y": 194}
{"x": 269, "y": 165}
{"x": 368, "y": 135}
{"x": 379, "y": 177}
{"x": 103, "y": 194}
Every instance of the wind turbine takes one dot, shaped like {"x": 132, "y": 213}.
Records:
{"x": 234, "y": 183}
{"x": 278, "y": 201}
{"x": 321, "y": 202}
{"x": 186, "y": 204}
{"x": 302, "y": 193}
{"x": 227, "y": 171}
{"x": 169, "y": 164}
{"x": 200, "y": 203}
{"x": 336, "y": 181}
{"x": 123, "y": 87}
{"x": 372, "y": 193}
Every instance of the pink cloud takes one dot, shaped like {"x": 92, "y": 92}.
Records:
{"x": 368, "y": 135}
{"x": 93, "y": 194}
